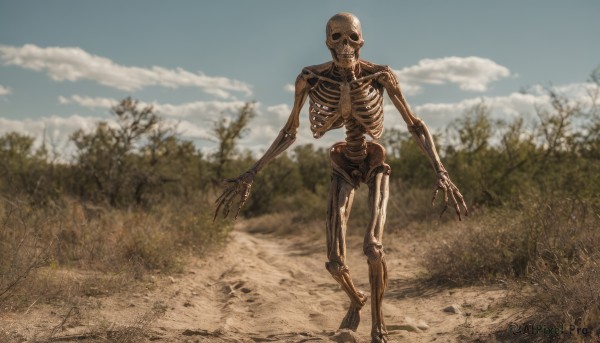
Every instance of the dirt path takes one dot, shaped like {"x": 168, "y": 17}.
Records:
{"x": 272, "y": 288}
{"x": 263, "y": 288}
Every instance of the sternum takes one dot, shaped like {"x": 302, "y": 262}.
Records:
{"x": 345, "y": 101}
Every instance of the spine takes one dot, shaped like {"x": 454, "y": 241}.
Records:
{"x": 356, "y": 143}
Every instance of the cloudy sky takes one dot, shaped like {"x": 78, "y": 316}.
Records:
{"x": 63, "y": 64}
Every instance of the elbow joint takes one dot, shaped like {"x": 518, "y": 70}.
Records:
{"x": 289, "y": 134}
{"x": 417, "y": 126}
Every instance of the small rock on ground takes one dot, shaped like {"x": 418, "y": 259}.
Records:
{"x": 421, "y": 324}
{"x": 410, "y": 325}
{"x": 345, "y": 336}
{"x": 454, "y": 308}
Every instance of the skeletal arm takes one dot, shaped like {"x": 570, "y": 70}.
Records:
{"x": 287, "y": 135}
{"x": 424, "y": 140}
{"x": 242, "y": 184}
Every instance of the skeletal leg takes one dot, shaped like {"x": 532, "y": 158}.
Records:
{"x": 338, "y": 211}
{"x": 373, "y": 248}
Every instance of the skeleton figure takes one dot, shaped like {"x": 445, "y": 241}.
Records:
{"x": 348, "y": 92}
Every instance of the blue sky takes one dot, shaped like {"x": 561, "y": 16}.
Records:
{"x": 63, "y": 63}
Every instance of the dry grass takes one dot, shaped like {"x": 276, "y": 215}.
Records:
{"x": 60, "y": 253}
{"x": 547, "y": 252}
{"x": 483, "y": 249}
{"x": 564, "y": 274}
{"x": 137, "y": 330}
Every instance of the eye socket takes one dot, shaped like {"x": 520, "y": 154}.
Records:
{"x": 354, "y": 36}
{"x": 336, "y": 36}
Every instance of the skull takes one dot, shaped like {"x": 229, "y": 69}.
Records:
{"x": 344, "y": 39}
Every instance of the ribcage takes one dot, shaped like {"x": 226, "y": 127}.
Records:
{"x": 367, "y": 108}
{"x": 332, "y": 105}
{"x": 324, "y": 108}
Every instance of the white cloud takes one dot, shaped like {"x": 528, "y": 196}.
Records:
{"x": 282, "y": 111}
{"x": 73, "y": 64}
{"x": 583, "y": 93}
{"x": 88, "y": 102}
{"x": 5, "y": 90}
{"x": 289, "y": 88}
{"x": 468, "y": 73}
{"x": 439, "y": 115}
{"x": 199, "y": 109}
{"x": 508, "y": 107}
{"x": 190, "y": 130}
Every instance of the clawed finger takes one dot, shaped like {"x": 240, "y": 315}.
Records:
{"x": 445, "y": 200}
{"x": 462, "y": 200}
{"x": 445, "y": 188}
{"x": 225, "y": 194}
{"x": 225, "y": 199}
{"x": 242, "y": 201}
{"x": 227, "y": 208}
{"x": 444, "y": 209}
{"x": 435, "y": 193}
{"x": 455, "y": 205}
{"x": 457, "y": 194}
{"x": 448, "y": 186}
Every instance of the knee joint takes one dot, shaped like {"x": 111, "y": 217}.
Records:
{"x": 374, "y": 252}
{"x": 335, "y": 268}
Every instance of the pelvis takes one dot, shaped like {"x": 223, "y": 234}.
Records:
{"x": 355, "y": 174}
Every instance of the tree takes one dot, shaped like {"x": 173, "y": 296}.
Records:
{"x": 228, "y": 132}
{"x": 105, "y": 156}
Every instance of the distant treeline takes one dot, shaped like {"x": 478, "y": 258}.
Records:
{"x": 141, "y": 161}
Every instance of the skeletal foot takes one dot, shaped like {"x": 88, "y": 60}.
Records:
{"x": 352, "y": 318}
{"x": 379, "y": 334}
{"x": 379, "y": 339}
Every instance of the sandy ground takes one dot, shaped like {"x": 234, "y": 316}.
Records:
{"x": 268, "y": 288}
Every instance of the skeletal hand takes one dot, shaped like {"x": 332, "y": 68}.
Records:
{"x": 238, "y": 186}
{"x": 444, "y": 183}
